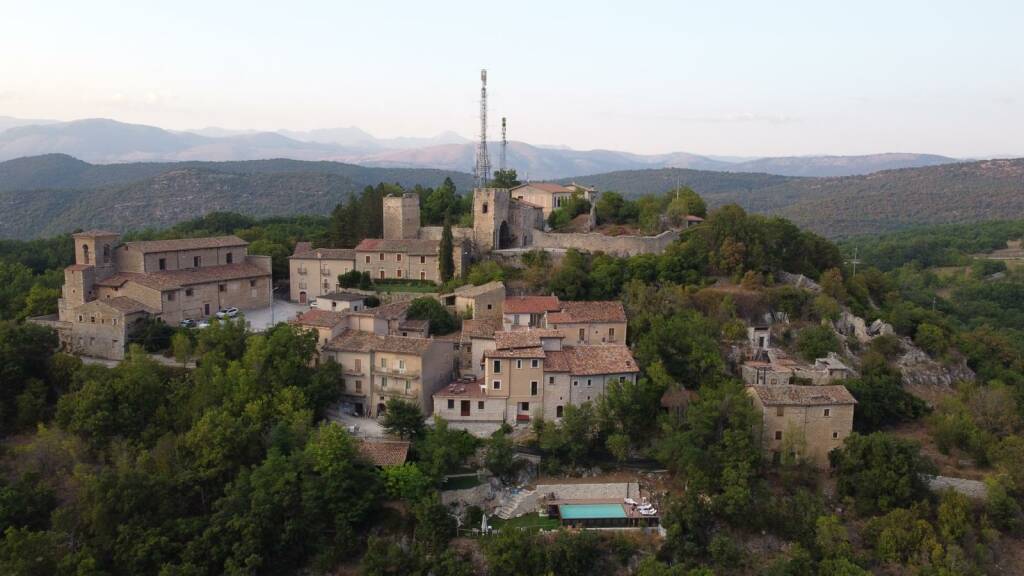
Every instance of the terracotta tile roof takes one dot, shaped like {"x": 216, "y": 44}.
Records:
{"x": 794, "y": 395}
{"x": 324, "y": 254}
{"x": 530, "y": 304}
{"x": 318, "y": 318}
{"x": 481, "y": 327}
{"x": 523, "y": 338}
{"x": 549, "y": 187}
{"x": 358, "y": 341}
{"x": 392, "y": 311}
{"x": 463, "y": 388}
{"x": 122, "y": 304}
{"x": 174, "y": 279}
{"x": 471, "y": 291}
{"x": 93, "y": 233}
{"x": 598, "y": 311}
{"x": 413, "y": 247}
{"x": 384, "y": 452}
{"x": 343, "y": 296}
{"x": 147, "y": 246}
{"x": 301, "y": 247}
{"x": 536, "y": 352}
{"x": 692, "y": 218}
{"x": 414, "y": 325}
{"x": 591, "y": 360}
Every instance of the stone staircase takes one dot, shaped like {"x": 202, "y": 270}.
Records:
{"x": 520, "y": 503}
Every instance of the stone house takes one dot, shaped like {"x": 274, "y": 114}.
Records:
{"x": 466, "y": 400}
{"x": 803, "y": 422}
{"x": 325, "y": 323}
{"x": 170, "y": 280}
{"x": 399, "y": 259}
{"x": 313, "y": 273}
{"x": 550, "y": 196}
{"x": 477, "y": 338}
{"x": 341, "y": 301}
{"x": 377, "y": 368}
{"x": 521, "y": 312}
{"x": 599, "y": 322}
{"x": 476, "y": 301}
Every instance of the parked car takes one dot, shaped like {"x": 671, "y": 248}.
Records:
{"x": 187, "y": 323}
{"x": 313, "y": 303}
{"x": 227, "y": 313}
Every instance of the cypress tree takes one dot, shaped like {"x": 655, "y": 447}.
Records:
{"x": 447, "y": 259}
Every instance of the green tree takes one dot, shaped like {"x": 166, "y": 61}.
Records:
{"x": 881, "y": 472}
{"x": 446, "y": 261}
{"x": 816, "y": 342}
{"x": 500, "y": 459}
{"x": 403, "y": 419}
{"x": 426, "y": 308}
{"x": 407, "y": 482}
{"x": 435, "y": 526}
{"x": 685, "y": 346}
{"x": 931, "y": 339}
{"x": 505, "y": 179}
{"x": 181, "y": 345}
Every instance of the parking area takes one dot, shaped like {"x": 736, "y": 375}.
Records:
{"x": 282, "y": 310}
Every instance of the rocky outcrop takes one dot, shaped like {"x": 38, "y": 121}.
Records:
{"x": 921, "y": 370}
{"x": 800, "y": 281}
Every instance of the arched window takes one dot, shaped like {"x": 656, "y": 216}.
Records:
{"x": 85, "y": 253}
{"x": 485, "y": 208}
{"x": 106, "y": 253}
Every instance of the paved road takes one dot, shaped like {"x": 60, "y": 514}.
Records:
{"x": 260, "y": 319}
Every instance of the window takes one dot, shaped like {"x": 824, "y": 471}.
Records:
{"x": 162, "y": 263}
{"x": 382, "y": 274}
{"x": 779, "y": 411}
{"x": 835, "y": 435}
{"x": 778, "y": 434}
{"x": 114, "y": 322}
{"x": 367, "y": 258}
{"x": 170, "y": 296}
{"x": 423, "y": 259}
{"x": 384, "y": 363}
{"x": 229, "y": 258}
{"x": 383, "y": 381}
{"x": 496, "y": 367}
{"x": 519, "y": 364}
{"x": 533, "y": 388}
{"x": 408, "y": 385}
{"x": 85, "y": 253}
{"x": 828, "y": 412}
{"x": 451, "y": 404}
{"x": 583, "y": 334}
{"x": 252, "y": 283}
{"x": 381, "y": 257}
{"x": 106, "y": 253}
{"x": 189, "y": 292}
{"x": 398, "y": 257}
{"x": 496, "y": 384}
{"x": 398, "y": 273}
{"x": 575, "y": 382}
{"x": 222, "y": 287}
{"x": 423, "y": 275}
{"x": 524, "y": 406}
{"x": 551, "y": 379}
{"x": 359, "y": 364}
{"x": 197, "y": 261}
{"x": 611, "y": 334}
{"x": 534, "y": 363}
{"x": 401, "y": 365}
{"x": 359, "y": 385}
{"x": 588, "y": 381}
{"x": 480, "y": 405}
{"x": 489, "y": 306}
{"x": 559, "y": 410}
{"x": 484, "y": 209}
{"x": 92, "y": 319}
{"x": 80, "y": 319}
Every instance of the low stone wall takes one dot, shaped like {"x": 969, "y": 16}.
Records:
{"x": 593, "y": 242}
{"x": 971, "y": 488}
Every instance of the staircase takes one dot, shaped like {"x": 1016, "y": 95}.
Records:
{"x": 510, "y": 508}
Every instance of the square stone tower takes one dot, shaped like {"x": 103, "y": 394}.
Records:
{"x": 491, "y": 219}
{"x": 94, "y": 261}
{"x": 402, "y": 217}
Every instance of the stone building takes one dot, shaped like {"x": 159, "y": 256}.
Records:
{"x": 314, "y": 272}
{"x": 482, "y": 301}
{"x": 550, "y": 196}
{"x": 596, "y": 322}
{"x": 529, "y": 374}
{"x": 399, "y": 259}
{"x": 112, "y": 285}
{"x": 520, "y": 312}
{"x": 377, "y": 368}
{"x": 803, "y": 422}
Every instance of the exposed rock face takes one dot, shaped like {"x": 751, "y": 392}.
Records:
{"x": 919, "y": 369}
{"x": 800, "y": 281}
{"x": 851, "y": 325}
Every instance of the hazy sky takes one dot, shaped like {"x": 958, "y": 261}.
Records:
{"x": 730, "y": 78}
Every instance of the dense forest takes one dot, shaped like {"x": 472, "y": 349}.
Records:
{"x": 232, "y": 468}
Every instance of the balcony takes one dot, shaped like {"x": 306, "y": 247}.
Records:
{"x": 353, "y": 372}
{"x": 325, "y": 272}
{"x": 397, "y": 372}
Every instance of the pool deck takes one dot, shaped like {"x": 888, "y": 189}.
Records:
{"x": 631, "y": 511}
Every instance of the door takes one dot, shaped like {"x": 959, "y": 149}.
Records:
{"x": 464, "y": 408}
{"x": 206, "y": 309}
{"x": 302, "y": 297}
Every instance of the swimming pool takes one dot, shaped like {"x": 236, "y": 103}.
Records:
{"x": 589, "y": 511}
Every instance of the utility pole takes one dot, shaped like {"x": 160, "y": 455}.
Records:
{"x": 504, "y": 144}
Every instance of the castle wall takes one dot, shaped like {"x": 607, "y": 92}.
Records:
{"x": 594, "y": 242}
{"x": 401, "y": 217}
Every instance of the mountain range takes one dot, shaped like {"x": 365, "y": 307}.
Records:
{"x": 105, "y": 141}
{"x": 56, "y": 193}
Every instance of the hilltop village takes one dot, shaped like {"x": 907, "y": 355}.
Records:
{"x": 556, "y": 368}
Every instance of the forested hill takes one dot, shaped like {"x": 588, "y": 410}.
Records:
{"x": 53, "y": 194}
{"x": 852, "y": 205}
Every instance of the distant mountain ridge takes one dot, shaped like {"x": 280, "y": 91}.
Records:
{"x": 53, "y": 194}
{"x": 108, "y": 141}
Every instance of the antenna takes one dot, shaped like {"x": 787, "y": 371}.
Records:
{"x": 855, "y": 260}
{"x": 483, "y": 162}
{"x": 504, "y": 143}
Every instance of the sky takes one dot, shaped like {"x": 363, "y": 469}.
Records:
{"x": 730, "y": 78}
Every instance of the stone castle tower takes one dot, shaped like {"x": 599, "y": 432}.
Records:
{"x": 94, "y": 261}
{"x": 490, "y": 218}
{"x": 401, "y": 217}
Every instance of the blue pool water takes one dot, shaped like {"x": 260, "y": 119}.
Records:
{"x": 581, "y": 511}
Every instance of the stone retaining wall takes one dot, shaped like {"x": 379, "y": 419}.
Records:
{"x": 624, "y": 245}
